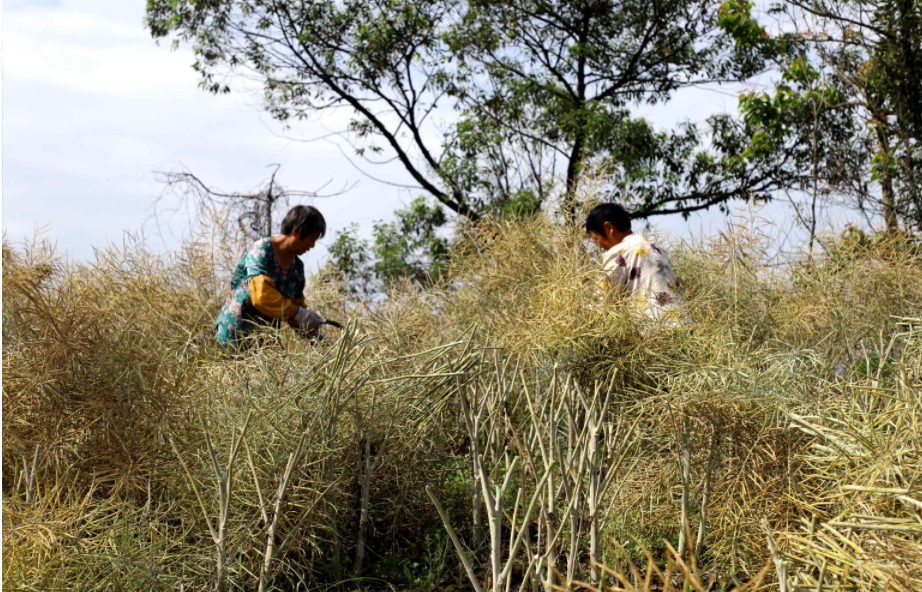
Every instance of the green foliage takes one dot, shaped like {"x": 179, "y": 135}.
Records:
{"x": 735, "y": 17}
{"x": 751, "y": 39}
{"x": 429, "y": 573}
{"x": 535, "y": 88}
{"x": 521, "y": 205}
{"x": 562, "y": 74}
{"x": 412, "y": 247}
{"x": 408, "y": 248}
{"x": 849, "y": 91}
{"x": 681, "y": 170}
{"x": 805, "y": 116}
{"x": 351, "y": 257}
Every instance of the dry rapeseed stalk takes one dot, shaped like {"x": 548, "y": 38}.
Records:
{"x": 789, "y": 407}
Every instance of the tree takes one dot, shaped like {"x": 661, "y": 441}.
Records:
{"x": 351, "y": 258}
{"x": 408, "y": 248}
{"x": 562, "y": 75}
{"x": 808, "y": 117}
{"x": 385, "y": 61}
{"x": 857, "y": 65}
{"x": 479, "y": 101}
{"x": 672, "y": 173}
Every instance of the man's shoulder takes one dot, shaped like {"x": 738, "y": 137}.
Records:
{"x": 637, "y": 244}
{"x": 643, "y": 241}
{"x": 613, "y": 257}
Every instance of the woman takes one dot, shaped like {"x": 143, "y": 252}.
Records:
{"x": 268, "y": 285}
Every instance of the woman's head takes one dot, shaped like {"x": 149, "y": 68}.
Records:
{"x": 304, "y": 224}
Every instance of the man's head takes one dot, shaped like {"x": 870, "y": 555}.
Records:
{"x": 608, "y": 224}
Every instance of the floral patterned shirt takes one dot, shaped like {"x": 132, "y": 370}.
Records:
{"x": 637, "y": 265}
{"x": 238, "y": 315}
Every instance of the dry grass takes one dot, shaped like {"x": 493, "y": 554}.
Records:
{"x": 785, "y": 414}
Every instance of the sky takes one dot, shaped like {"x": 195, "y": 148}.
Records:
{"x": 92, "y": 106}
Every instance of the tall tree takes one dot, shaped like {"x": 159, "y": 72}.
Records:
{"x": 857, "y": 65}
{"x": 563, "y": 74}
{"x": 481, "y": 102}
{"x": 385, "y": 61}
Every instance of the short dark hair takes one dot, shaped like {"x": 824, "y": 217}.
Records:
{"x": 306, "y": 220}
{"x": 608, "y": 212}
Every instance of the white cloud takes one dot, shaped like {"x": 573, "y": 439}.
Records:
{"x": 72, "y": 48}
{"x": 93, "y": 105}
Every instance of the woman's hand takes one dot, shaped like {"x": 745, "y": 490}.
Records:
{"x": 307, "y": 319}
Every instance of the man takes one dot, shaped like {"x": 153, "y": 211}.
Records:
{"x": 631, "y": 262}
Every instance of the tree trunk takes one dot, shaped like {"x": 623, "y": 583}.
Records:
{"x": 573, "y": 170}
{"x": 578, "y": 153}
{"x": 886, "y": 181}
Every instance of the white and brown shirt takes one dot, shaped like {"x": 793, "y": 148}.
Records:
{"x": 637, "y": 265}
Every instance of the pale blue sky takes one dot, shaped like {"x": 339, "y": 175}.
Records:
{"x": 91, "y": 106}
